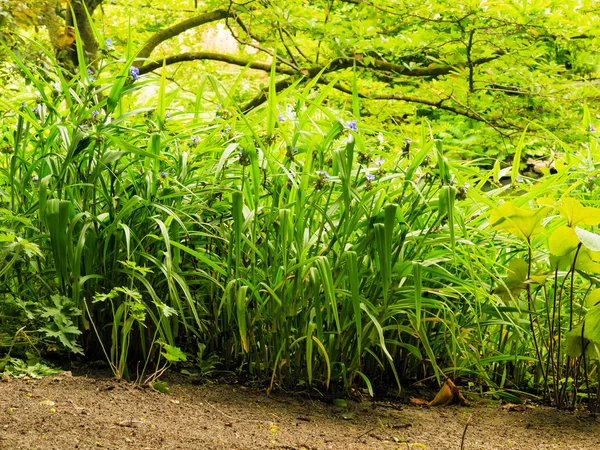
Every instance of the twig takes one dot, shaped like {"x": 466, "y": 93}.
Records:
{"x": 366, "y": 432}
{"x": 462, "y": 442}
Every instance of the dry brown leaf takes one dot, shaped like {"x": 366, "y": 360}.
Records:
{"x": 448, "y": 394}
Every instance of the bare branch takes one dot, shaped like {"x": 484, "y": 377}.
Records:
{"x": 333, "y": 66}
{"x": 179, "y": 28}
{"x": 211, "y": 56}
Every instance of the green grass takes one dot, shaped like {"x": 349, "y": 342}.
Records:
{"x": 289, "y": 248}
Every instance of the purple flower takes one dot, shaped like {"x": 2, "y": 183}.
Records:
{"x": 352, "y": 125}
{"x": 109, "y": 42}
{"x": 95, "y": 113}
{"x": 35, "y": 178}
{"x": 407, "y": 140}
{"x": 518, "y": 179}
{"x": 83, "y": 127}
{"x": 36, "y": 110}
{"x": 592, "y": 128}
{"x": 323, "y": 173}
{"x": 195, "y": 140}
{"x": 379, "y": 162}
{"x": 134, "y": 72}
{"x": 281, "y": 117}
{"x": 90, "y": 75}
{"x": 167, "y": 116}
{"x": 241, "y": 151}
{"x": 294, "y": 150}
{"x": 370, "y": 177}
{"x": 163, "y": 174}
{"x": 225, "y": 131}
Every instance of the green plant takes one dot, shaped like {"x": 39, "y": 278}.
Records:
{"x": 561, "y": 304}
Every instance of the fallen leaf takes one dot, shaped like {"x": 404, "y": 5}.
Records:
{"x": 448, "y": 394}
{"x": 418, "y": 401}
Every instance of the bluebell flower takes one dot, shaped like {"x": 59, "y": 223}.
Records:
{"x": 195, "y": 140}
{"x": 407, "y": 140}
{"x": 323, "y": 173}
{"x": 35, "y": 178}
{"x": 167, "y": 116}
{"x": 109, "y": 42}
{"x": 281, "y": 117}
{"x": 352, "y": 125}
{"x": 163, "y": 174}
{"x": 592, "y": 128}
{"x": 518, "y": 179}
{"x": 241, "y": 151}
{"x": 294, "y": 150}
{"x": 379, "y": 162}
{"x": 24, "y": 104}
{"x": 34, "y": 185}
{"x": 370, "y": 177}
{"x": 36, "y": 110}
{"x": 134, "y": 72}
{"x": 467, "y": 186}
{"x": 83, "y": 127}
{"x": 95, "y": 113}
{"x": 90, "y": 75}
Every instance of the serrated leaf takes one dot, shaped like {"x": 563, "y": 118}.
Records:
{"x": 173, "y": 354}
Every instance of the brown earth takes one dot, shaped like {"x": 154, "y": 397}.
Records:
{"x": 67, "y": 412}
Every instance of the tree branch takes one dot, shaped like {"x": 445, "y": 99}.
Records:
{"x": 179, "y": 28}
{"x": 333, "y": 66}
{"x": 211, "y": 56}
{"x": 262, "y": 97}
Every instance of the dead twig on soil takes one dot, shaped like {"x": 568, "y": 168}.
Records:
{"x": 366, "y": 432}
{"x": 462, "y": 442}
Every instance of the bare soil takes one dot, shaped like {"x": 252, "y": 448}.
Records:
{"x": 67, "y": 412}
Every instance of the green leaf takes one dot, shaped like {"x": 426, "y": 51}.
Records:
{"x": 173, "y": 354}
{"x": 563, "y": 241}
{"x": 518, "y": 221}
{"x": 572, "y": 210}
{"x": 590, "y": 240}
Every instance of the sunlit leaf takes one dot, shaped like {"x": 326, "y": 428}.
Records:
{"x": 563, "y": 241}
{"x": 518, "y": 221}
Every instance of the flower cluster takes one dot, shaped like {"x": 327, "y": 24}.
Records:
{"x": 134, "y": 72}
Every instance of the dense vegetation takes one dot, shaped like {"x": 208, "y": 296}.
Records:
{"x": 302, "y": 231}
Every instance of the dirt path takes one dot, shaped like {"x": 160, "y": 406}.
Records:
{"x": 82, "y": 413}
